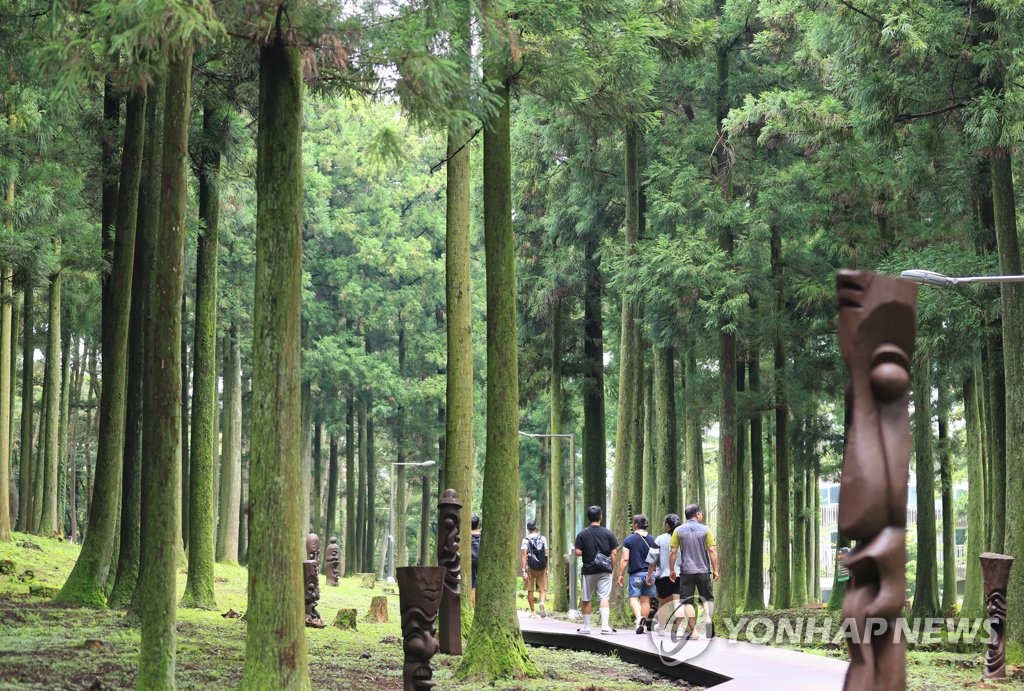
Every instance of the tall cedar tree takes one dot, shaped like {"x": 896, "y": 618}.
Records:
{"x": 48, "y": 523}
{"x": 558, "y": 536}
{"x": 86, "y": 585}
{"x": 199, "y": 587}
{"x": 6, "y": 370}
{"x": 495, "y": 649}
{"x": 926, "y": 590}
{"x": 27, "y": 405}
{"x": 275, "y": 654}
{"x": 126, "y": 578}
{"x": 231, "y": 455}
{"x": 157, "y": 597}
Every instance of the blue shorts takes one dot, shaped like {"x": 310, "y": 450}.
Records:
{"x": 638, "y": 585}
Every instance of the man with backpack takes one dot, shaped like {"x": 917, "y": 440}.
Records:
{"x": 635, "y": 549}
{"x": 597, "y": 545}
{"x": 535, "y": 565}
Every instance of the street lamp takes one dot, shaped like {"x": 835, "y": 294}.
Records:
{"x": 934, "y": 278}
{"x": 572, "y": 614}
{"x": 391, "y": 519}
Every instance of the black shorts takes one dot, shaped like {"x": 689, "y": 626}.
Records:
{"x": 700, "y": 581}
{"x": 666, "y": 587}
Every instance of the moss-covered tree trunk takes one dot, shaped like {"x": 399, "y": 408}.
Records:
{"x": 126, "y": 578}
{"x": 926, "y": 589}
{"x": 276, "y": 637}
{"x": 594, "y": 467}
{"x": 231, "y": 457}
{"x": 27, "y": 405}
{"x": 48, "y": 523}
{"x": 199, "y": 586}
{"x": 332, "y": 487}
{"x": 693, "y": 420}
{"x": 350, "y": 486}
{"x": 946, "y": 492}
{"x": 782, "y": 591}
{"x": 559, "y": 492}
{"x": 317, "y": 487}
{"x": 360, "y": 548}
{"x": 630, "y": 407}
{"x": 86, "y": 585}
{"x": 974, "y": 600}
{"x": 754, "y": 600}
{"x": 458, "y": 425}
{"x": 6, "y": 369}
{"x": 161, "y": 441}
{"x": 741, "y": 491}
{"x": 495, "y": 648}
{"x": 371, "y": 488}
{"x": 646, "y": 477}
{"x": 666, "y": 462}
{"x": 1003, "y": 201}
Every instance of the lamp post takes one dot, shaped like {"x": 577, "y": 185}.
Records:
{"x": 934, "y": 278}
{"x": 572, "y": 613}
{"x": 391, "y": 519}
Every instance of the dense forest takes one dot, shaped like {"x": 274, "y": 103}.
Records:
{"x": 279, "y": 267}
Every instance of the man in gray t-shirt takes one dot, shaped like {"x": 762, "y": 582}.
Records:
{"x": 696, "y": 546}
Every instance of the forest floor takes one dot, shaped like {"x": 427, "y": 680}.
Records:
{"x": 45, "y": 646}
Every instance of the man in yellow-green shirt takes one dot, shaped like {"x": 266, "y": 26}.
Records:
{"x": 695, "y": 545}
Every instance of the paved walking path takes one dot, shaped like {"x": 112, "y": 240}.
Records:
{"x": 726, "y": 664}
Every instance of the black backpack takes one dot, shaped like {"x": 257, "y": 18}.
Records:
{"x": 535, "y": 557}
{"x": 474, "y": 545}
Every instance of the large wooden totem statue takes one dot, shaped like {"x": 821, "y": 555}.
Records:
{"x": 995, "y": 570}
{"x": 311, "y": 581}
{"x": 419, "y": 595}
{"x": 449, "y": 632}
{"x": 876, "y": 336}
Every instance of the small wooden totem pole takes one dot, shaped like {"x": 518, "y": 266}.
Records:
{"x": 311, "y": 580}
{"x": 450, "y": 630}
{"x": 332, "y": 557}
{"x": 876, "y": 336}
{"x": 419, "y": 595}
{"x": 995, "y": 570}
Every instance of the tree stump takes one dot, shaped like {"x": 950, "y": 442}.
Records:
{"x": 367, "y": 580}
{"x": 378, "y": 610}
{"x": 346, "y": 619}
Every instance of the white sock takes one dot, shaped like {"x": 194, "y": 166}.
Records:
{"x": 586, "y": 621}
{"x": 604, "y": 617}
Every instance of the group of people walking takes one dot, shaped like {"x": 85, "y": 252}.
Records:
{"x": 662, "y": 574}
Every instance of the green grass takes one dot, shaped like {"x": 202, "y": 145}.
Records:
{"x": 43, "y": 645}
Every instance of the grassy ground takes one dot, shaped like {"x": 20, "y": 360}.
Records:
{"x": 44, "y": 646}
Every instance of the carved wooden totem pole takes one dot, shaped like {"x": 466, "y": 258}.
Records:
{"x": 419, "y": 595}
{"x": 332, "y": 557}
{"x": 311, "y": 580}
{"x": 876, "y": 336}
{"x": 450, "y": 630}
{"x": 995, "y": 570}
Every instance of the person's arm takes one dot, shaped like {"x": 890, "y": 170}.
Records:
{"x": 672, "y": 564}
{"x": 622, "y": 562}
{"x": 713, "y": 553}
{"x": 579, "y": 552}
{"x": 524, "y": 560}
{"x": 653, "y": 555}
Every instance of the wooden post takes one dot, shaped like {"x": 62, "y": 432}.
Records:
{"x": 450, "y": 631}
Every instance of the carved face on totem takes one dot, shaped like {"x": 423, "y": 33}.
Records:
{"x": 876, "y": 336}
{"x": 313, "y": 547}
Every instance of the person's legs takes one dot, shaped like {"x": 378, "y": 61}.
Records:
{"x": 687, "y": 585}
{"x": 542, "y": 585}
{"x": 529, "y": 590}
{"x": 707, "y": 602}
{"x": 585, "y": 606}
{"x": 645, "y": 606}
{"x": 604, "y": 591}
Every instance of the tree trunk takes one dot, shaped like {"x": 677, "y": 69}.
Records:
{"x": 185, "y": 448}
{"x": 350, "y": 487}
{"x": 318, "y": 497}
{"x": 162, "y": 439}
{"x": 755, "y": 565}
{"x": 646, "y": 477}
{"x": 199, "y": 586}
{"x": 741, "y": 491}
{"x": 27, "y": 402}
{"x": 62, "y": 429}
{"x": 425, "y": 513}
{"x": 782, "y": 591}
{"x": 129, "y": 545}
{"x": 594, "y": 471}
{"x": 694, "y": 434}
{"x": 666, "y": 462}
{"x": 558, "y": 538}
{"x": 276, "y": 637}
{"x": 630, "y": 410}
{"x": 371, "y": 490}
{"x": 974, "y": 600}
{"x": 86, "y": 585}
{"x": 306, "y": 456}
{"x": 6, "y": 369}
{"x": 946, "y": 489}
{"x": 361, "y": 520}
{"x": 51, "y": 414}
{"x": 332, "y": 487}
{"x": 231, "y": 457}
{"x": 995, "y": 427}
{"x": 495, "y": 648}
{"x": 459, "y": 461}
{"x": 799, "y": 564}
{"x": 926, "y": 590}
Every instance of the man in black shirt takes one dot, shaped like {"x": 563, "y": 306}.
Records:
{"x": 597, "y": 545}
